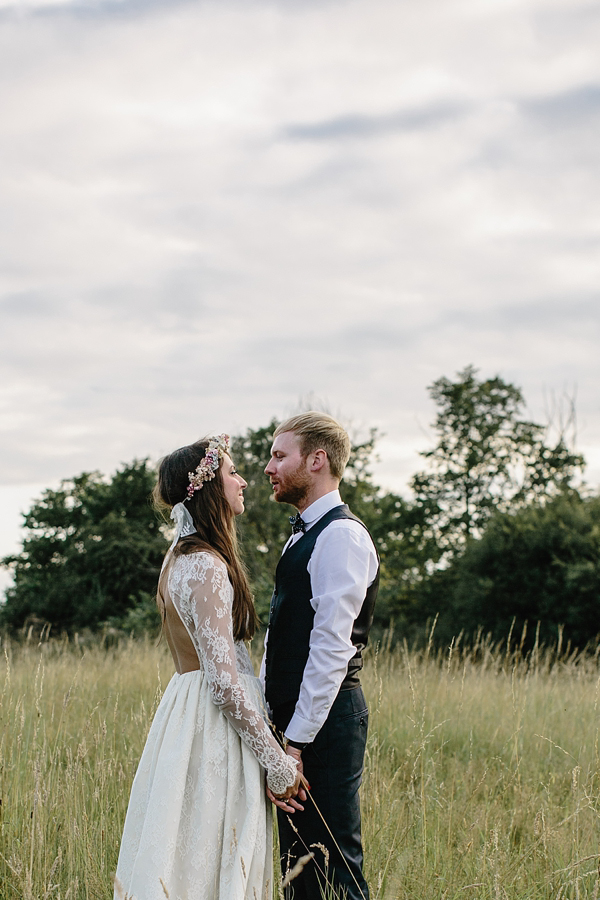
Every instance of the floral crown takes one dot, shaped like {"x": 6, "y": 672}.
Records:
{"x": 207, "y": 468}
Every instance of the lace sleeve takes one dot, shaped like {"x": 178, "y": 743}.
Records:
{"x": 200, "y": 587}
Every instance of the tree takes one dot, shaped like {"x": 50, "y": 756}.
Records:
{"x": 92, "y": 552}
{"x": 539, "y": 564}
{"x": 93, "y": 548}
{"x": 487, "y": 458}
{"x": 264, "y": 527}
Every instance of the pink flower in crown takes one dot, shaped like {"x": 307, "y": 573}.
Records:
{"x": 208, "y": 465}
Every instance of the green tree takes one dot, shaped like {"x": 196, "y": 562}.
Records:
{"x": 400, "y": 537}
{"x": 539, "y": 564}
{"x": 93, "y": 548}
{"x": 264, "y": 526}
{"x": 487, "y": 458}
{"x": 92, "y": 552}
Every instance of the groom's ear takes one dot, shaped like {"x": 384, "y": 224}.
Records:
{"x": 318, "y": 460}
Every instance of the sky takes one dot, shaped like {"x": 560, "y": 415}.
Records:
{"x": 215, "y": 212}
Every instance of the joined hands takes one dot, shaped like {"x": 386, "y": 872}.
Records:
{"x": 295, "y": 795}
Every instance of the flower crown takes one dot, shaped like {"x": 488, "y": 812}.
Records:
{"x": 207, "y": 468}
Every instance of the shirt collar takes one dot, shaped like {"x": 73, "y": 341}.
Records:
{"x": 321, "y": 506}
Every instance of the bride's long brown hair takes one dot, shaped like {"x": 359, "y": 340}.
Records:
{"x": 214, "y": 521}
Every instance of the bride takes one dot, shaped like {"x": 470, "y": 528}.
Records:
{"x": 198, "y": 825}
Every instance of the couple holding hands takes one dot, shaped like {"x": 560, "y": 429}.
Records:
{"x": 198, "y": 825}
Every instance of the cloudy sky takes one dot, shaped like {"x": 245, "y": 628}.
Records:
{"x": 213, "y": 210}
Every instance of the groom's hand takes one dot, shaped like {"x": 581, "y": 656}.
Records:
{"x": 288, "y": 806}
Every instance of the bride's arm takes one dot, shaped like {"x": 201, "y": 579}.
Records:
{"x": 205, "y": 604}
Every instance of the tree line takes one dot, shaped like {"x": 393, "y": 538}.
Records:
{"x": 498, "y": 532}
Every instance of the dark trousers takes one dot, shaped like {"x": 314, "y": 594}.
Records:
{"x": 333, "y": 766}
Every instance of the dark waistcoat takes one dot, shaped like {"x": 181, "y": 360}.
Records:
{"x": 291, "y": 617}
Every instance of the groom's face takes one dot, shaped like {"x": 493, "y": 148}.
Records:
{"x": 288, "y": 470}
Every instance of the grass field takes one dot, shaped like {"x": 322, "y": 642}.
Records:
{"x": 482, "y": 775}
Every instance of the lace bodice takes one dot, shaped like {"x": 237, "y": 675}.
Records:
{"x": 200, "y": 590}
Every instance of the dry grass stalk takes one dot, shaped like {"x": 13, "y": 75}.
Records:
{"x": 296, "y": 869}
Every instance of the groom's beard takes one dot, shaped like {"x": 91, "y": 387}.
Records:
{"x": 295, "y": 488}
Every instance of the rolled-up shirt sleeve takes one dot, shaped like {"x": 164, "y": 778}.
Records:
{"x": 342, "y": 566}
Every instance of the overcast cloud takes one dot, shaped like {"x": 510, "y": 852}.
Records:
{"x": 210, "y": 210}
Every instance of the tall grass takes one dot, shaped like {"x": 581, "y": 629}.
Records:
{"x": 481, "y": 778}
{"x": 73, "y": 725}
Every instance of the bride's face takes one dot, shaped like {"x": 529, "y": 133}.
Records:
{"x": 234, "y": 485}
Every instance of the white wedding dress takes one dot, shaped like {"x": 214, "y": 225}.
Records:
{"x": 198, "y": 825}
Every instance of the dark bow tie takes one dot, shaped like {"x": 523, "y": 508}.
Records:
{"x": 297, "y": 523}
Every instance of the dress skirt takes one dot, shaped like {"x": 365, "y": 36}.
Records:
{"x": 198, "y": 826}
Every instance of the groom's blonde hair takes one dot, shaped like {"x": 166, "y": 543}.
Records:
{"x": 318, "y": 431}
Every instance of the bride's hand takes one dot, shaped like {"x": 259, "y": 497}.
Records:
{"x": 290, "y": 801}
{"x": 301, "y": 787}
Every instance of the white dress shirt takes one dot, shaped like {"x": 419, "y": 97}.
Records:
{"x": 342, "y": 566}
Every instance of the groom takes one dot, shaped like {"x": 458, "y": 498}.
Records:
{"x": 322, "y": 608}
